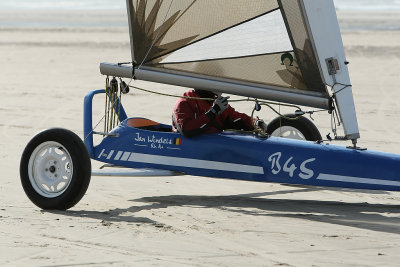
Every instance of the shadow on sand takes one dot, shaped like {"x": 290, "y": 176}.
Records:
{"x": 374, "y": 217}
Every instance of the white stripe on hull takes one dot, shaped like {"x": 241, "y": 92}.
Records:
{"x": 195, "y": 163}
{"x": 225, "y": 166}
{"x": 125, "y": 156}
{"x": 101, "y": 154}
{"x": 118, "y": 155}
{"x": 358, "y": 180}
{"x": 110, "y": 154}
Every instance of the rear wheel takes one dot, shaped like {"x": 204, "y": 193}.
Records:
{"x": 55, "y": 169}
{"x": 300, "y": 128}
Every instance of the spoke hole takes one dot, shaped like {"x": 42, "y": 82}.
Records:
{"x": 59, "y": 151}
{"x": 61, "y": 185}
{"x": 45, "y": 187}
{"x": 67, "y": 167}
{"x": 43, "y": 152}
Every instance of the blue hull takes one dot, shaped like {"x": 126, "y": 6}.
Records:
{"x": 248, "y": 157}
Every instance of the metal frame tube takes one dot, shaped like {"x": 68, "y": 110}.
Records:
{"x": 269, "y": 93}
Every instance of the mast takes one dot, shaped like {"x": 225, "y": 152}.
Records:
{"x": 328, "y": 44}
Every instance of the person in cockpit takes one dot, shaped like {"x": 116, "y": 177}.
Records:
{"x": 201, "y": 112}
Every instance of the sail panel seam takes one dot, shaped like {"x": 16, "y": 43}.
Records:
{"x": 224, "y": 58}
{"x": 218, "y": 32}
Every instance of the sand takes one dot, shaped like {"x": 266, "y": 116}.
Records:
{"x": 185, "y": 220}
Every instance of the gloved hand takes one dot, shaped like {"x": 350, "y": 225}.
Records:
{"x": 261, "y": 124}
{"x": 220, "y": 104}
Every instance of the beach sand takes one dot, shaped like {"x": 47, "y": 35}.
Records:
{"x": 185, "y": 220}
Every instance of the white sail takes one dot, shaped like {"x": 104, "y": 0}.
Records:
{"x": 263, "y": 35}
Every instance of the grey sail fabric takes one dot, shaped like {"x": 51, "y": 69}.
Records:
{"x": 302, "y": 45}
{"x": 261, "y": 42}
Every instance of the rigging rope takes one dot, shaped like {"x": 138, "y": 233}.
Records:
{"x": 112, "y": 118}
{"x": 262, "y": 103}
{"x": 110, "y": 103}
{"x": 341, "y": 89}
{"x": 107, "y": 109}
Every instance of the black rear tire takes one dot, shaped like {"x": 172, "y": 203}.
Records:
{"x": 55, "y": 169}
{"x": 301, "y": 128}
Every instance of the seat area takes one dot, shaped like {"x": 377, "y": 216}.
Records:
{"x": 146, "y": 124}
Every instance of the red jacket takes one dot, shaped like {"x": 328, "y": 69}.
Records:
{"x": 190, "y": 115}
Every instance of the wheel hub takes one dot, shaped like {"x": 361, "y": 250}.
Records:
{"x": 50, "y": 169}
{"x": 288, "y": 132}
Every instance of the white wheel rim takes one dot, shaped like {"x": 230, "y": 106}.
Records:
{"x": 50, "y": 169}
{"x": 288, "y": 132}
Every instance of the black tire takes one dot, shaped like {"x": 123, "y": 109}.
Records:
{"x": 55, "y": 169}
{"x": 303, "y": 125}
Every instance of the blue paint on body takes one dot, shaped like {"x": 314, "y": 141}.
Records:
{"x": 245, "y": 157}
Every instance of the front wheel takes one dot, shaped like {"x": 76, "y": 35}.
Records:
{"x": 300, "y": 128}
{"x": 55, "y": 169}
